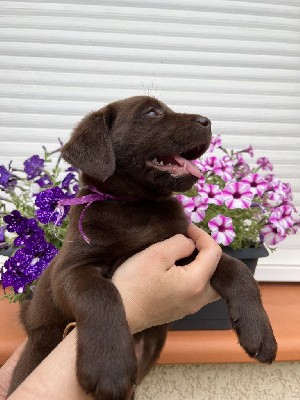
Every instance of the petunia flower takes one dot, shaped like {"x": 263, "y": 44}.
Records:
{"x": 222, "y": 229}
{"x": 212, "y": 192}
{"x": 237, "y": 195}
{"x": 26, "y": 228}
{"x": 15, "y": 222}
{"x": 240, "y": 160}
{"x": 257, "y": 184}
{"x": 296, "y": 225}
{"x": 224, "y": 168}
{"x": 271, "y": 235}
{"x": 27, "y": 264}
{"x": 2, "y": 233}
{"x": 208, "y": 164}
{"x": 5, "y": 175}
{"x": 201, "y": 205}
{"x": 33, "y": 166}
{"x": 277, "y": 192}
{"x": 44, "y": 181}
{"x": 30, "y": 230}
{"x": 215, "y": 143}
{"x": 69, "y": 183}
{"x": 248, "y": 150}
{"x": 241, "y": 167}
{"x": 187, "y": 203}
{"x": 265, "y": 164}
{"x": 281, "y": 217}
{"x": 194, "y": 207}
{"x": 47, "y": 202}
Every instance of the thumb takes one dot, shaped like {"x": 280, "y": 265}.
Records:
{"x": 168, "y": 251}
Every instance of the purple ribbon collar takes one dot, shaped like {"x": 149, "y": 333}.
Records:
{"x": 88, "y": 200}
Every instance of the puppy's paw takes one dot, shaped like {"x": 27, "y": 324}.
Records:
{"x": 110, "y": 378}
{"x": 255, "y": 333}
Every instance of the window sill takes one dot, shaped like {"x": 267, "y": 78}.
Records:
{"x": 282, "y": 302}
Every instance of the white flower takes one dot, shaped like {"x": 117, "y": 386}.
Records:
{"x": 2, "y": 261}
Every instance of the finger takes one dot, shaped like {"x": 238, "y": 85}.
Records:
{"x": 171, "y": 250}
{"x": 205, "y": 263}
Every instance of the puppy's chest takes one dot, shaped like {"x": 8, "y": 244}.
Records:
{"x": 129, "y": 227}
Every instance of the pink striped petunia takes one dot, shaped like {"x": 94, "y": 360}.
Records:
{"x": 248, "y": 150}
{"x": 215, "y": 143}
{"x": 271, "y": 235}
{"x": 257, "y": 184}
{"x": 237, "y": 195}
{"x": 194, "y": 207}
{"x": 224, "y": 169}
{"x": 208, "y": 164}
{"x": 281, "y": 217}
{"x": 201, "y": 205}
{"x": 265, "y": 164}
{"x": 213, "y": 193}
{"x": 222, "y": 229}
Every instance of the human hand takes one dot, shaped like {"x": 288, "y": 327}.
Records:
{"x": 155, "y": 291}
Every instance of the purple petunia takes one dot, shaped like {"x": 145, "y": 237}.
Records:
{"x": 257, "y": 184}
{"x": 2, "y": 233}
{"x": 237, "y": 195}
{"x": 47, "y": 202}
{"x": 70, "y": 183}
{"x": 33, "y": 166}
{"x": 30, "y": 229}
{"x": 5, "y": 175}
{"x": 27, "y": 264}
{"x": 26, "y": 228}
{"x": 15, "y": 222}
{"x": 44, "y": 181}
{"x": 222, "y": 229}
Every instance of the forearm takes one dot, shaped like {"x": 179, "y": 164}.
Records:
{"x": 58, "y": 367}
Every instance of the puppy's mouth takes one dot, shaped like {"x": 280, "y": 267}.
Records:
{"x": 179, "y": 165}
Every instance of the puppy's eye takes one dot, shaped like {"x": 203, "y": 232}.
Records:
{"x": 152, "y": 112}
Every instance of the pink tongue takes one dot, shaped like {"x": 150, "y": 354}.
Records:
{"x": 190, "y": 167}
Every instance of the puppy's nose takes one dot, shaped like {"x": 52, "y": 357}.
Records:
{"x": 203, "y": 121}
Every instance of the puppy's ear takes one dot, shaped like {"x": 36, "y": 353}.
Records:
{"x": 90, "y": 148}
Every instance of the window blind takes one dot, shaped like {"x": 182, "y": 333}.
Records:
{"x": 236, "y": 62}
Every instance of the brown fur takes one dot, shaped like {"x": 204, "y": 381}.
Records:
{"x": 111, "y": 147}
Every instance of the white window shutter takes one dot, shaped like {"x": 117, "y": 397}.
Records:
{"x": 236, "y": 62}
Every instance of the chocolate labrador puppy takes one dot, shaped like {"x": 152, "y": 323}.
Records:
{"x": 139, "y": 151}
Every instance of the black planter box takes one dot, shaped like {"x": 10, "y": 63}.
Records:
{"x": 215, "y": 315}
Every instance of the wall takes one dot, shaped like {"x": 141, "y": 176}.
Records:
{"x": 280, "y": 381}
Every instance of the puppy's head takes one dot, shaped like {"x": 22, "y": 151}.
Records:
{"x": 140, "y": 140}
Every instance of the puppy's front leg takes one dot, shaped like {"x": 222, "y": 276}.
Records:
{"x": 106, "y": 361}
{"x": 235, "y": 283}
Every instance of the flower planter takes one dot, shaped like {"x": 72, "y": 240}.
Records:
{"x": 215, "y": 315}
